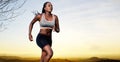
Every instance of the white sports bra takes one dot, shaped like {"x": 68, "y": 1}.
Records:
{"x": 47, "y": 24}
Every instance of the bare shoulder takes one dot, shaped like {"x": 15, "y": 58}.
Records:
{"x": 38, "y": 16}
{"x": 56, "y": 17}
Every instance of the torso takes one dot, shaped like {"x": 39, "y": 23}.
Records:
{"x": 46, "y": 31}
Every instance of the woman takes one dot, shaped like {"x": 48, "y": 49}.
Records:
{"x": 48, "y": 22}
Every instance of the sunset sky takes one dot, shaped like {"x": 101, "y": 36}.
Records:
{"x": 88, "y": 28}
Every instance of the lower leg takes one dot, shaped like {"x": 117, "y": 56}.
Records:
{"x": 43, "y": 56}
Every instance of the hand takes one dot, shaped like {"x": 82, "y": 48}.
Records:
{"x": 30, "y": 37}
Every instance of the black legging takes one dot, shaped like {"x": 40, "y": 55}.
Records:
{"x": 43, "y": 40}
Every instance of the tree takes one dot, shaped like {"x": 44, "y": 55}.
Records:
{"x": 8, "y": 11}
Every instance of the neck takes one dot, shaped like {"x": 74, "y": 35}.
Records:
{"x": 48, "y": 13}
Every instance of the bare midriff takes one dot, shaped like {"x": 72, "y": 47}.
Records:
{"x": 46, "y": 32}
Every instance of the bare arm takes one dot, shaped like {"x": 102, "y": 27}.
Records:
{"x": 57, "y": 28}
{"x": 36, "y": 18}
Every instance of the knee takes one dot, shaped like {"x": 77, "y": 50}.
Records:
{"x": 50, "y": 54}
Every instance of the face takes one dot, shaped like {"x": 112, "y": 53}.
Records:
{"x": 48, "y": 7}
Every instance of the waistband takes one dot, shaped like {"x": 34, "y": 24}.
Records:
{"x": 46, "y": 28}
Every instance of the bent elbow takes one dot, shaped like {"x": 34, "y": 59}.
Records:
{"x": 58, "y": 30}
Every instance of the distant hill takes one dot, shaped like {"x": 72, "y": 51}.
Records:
{"x": 19, "y": 59}
{"x": 96, "y": 59}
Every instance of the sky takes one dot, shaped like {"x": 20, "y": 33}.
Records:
{"x": 88, "y": 28}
